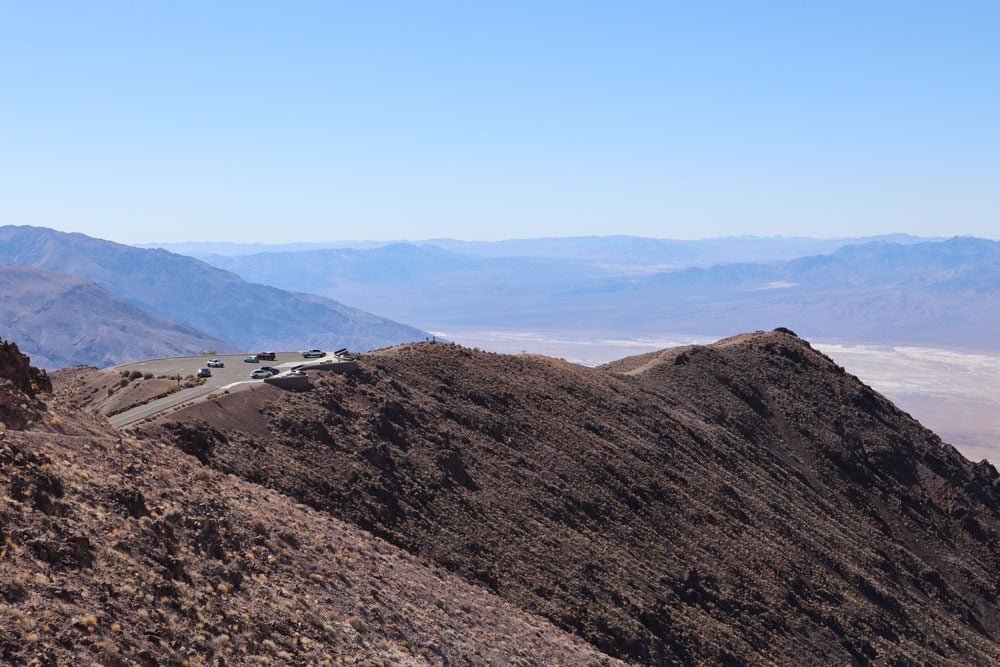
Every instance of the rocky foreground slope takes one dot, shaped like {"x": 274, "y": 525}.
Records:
{"x": 117, "y": 551}
{"x": 746, "y": 501}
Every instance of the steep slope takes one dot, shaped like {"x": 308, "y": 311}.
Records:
{"x": 212, "y": 300}
{"x": 743, "y": 502}
{"x": 62, "y": 320}
{"x": 119, "y": 552}
{"x": 20, "y": 384}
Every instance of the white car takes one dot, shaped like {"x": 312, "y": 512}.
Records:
{"x": 260, "y": 374}
{"x": 215, "y": 363}
{"x": 313, "y": 354}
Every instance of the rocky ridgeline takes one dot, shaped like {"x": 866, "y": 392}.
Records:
{"x": 745, "y": 502}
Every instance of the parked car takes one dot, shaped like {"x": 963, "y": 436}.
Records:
{"x": 215, "y": 363}
{"x": 252, "y": 359}
{"x": 267, "y": 356}
{"x": 313, "y": 354}
{"x": 260, "y": 374}
{"x": 204, "y": 372}
{"x": 270, "y": 369}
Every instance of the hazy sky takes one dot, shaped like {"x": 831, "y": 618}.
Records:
{"x": 291, "y": 121}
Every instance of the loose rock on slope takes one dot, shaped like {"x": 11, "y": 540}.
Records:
{"x": 120, "y": 552}
{"x": 745, "y": 501}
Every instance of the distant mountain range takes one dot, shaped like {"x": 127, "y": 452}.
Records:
{"x": 943, "y": 293}
{"x": 936, "y": 293}
{"x": 64, "y": 320}
{"x": 621, "y": 253}
{"x": 641, "y": 254}
{"x": 431, "y": 285}
{"x": 209, "y": 302}
{"x": 891, "y": 290}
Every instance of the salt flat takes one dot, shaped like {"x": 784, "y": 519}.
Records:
{"x": 955, "y": 393}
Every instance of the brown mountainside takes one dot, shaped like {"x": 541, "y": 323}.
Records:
{"x": 746, "y": 501}
{"x": 117, "y": 552}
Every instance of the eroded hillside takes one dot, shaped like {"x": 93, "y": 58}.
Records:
{"x": 116, "y": 551}
{"x": 746, "y": 501}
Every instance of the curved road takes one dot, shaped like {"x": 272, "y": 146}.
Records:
{"x": 235, "y": 372}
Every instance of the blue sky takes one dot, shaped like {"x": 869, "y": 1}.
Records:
{"x": 142, "y": 121}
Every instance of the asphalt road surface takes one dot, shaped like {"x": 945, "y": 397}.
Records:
{"x": 236, "y": 371}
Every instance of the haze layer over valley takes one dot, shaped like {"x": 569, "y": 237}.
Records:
{"x": 919, "y": 292}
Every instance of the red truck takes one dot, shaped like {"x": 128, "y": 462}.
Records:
{"x": 268, "y": 356}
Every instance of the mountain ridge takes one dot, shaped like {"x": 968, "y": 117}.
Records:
{"x": 116, "y": 551}
{"x": 744, "y": 501}
{"x": 212, "y": 300}
{"x": 62, "y": 320}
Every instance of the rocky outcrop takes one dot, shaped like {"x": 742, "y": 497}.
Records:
{"x": 20, "y": 384}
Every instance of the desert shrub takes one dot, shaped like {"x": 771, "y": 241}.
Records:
{"x": 147, "y": 376}
{"x": 135, "y": 375}
{"x": 123, "y": 382}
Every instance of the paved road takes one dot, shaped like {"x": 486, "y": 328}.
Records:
{"x": 236, "y": 371}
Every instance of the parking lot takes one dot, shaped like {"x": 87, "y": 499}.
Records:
{"x": 236, "y": 370}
